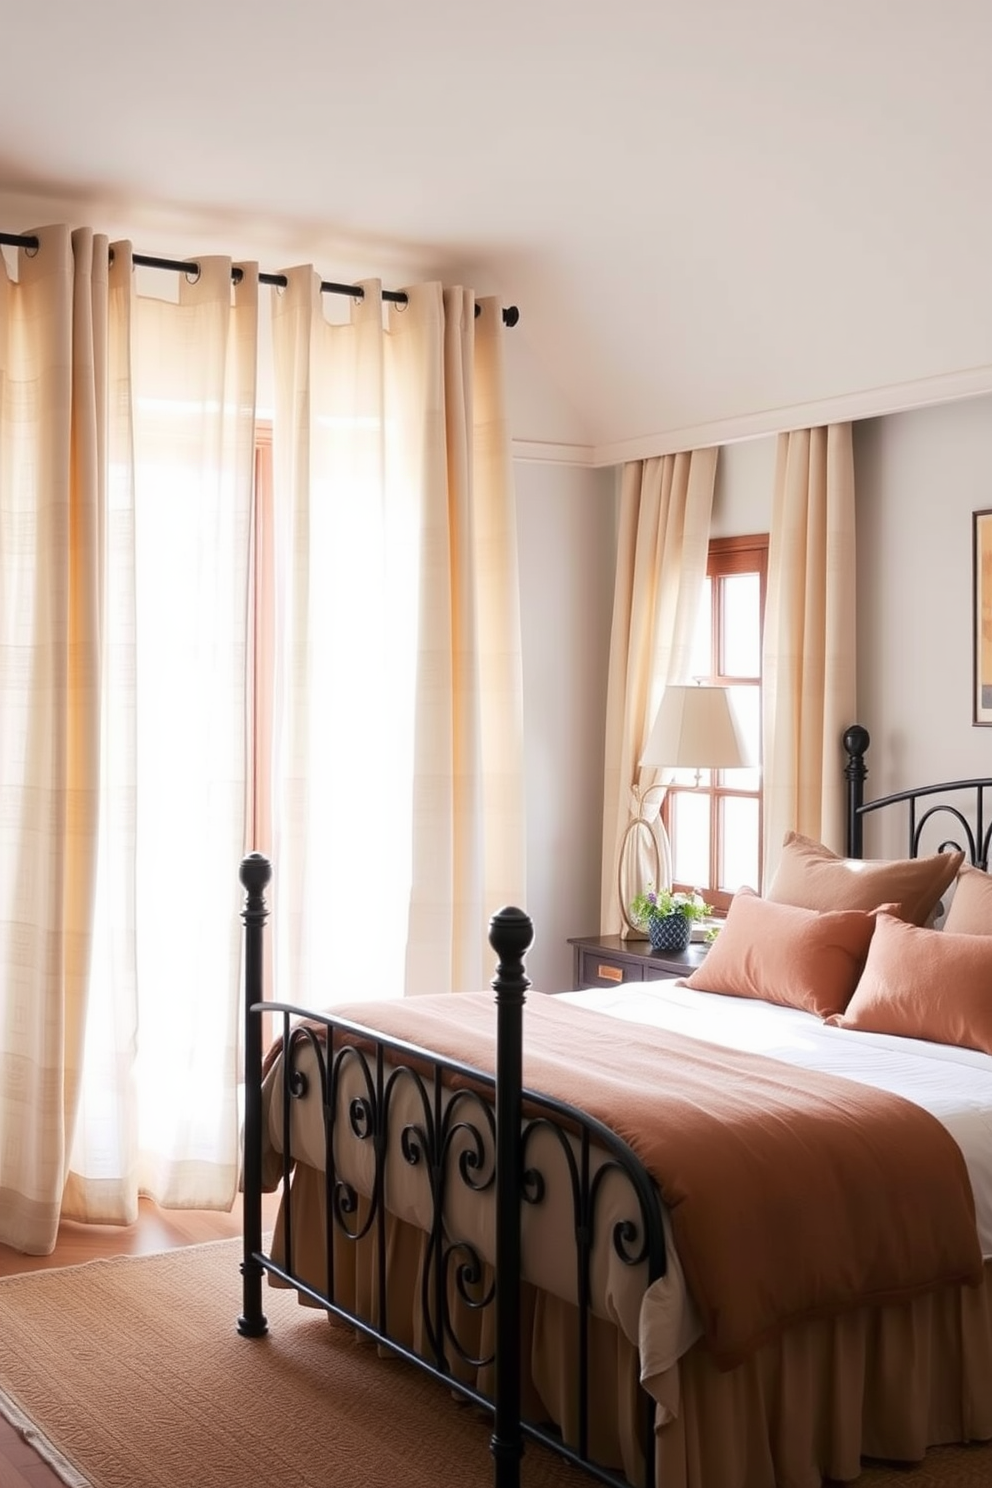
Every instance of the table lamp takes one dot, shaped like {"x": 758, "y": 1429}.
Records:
{"x": 695, "y": 728}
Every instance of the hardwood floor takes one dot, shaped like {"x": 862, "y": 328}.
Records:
{"x": 156, "y": 1229}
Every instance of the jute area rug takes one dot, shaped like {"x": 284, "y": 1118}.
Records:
{"x": 134, "y": 1375}
{"x": 129, "y": 1373}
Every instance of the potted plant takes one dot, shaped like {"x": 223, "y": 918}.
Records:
{"x": 667, "y": 916}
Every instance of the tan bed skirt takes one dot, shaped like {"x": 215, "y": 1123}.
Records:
{"x": 884, "y": 1383}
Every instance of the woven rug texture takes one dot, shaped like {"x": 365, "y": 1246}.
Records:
{"x": 133, "y": 1370}
{"x": 132, "y": 1373}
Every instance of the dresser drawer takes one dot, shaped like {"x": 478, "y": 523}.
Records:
{"x": 597, "y": 968}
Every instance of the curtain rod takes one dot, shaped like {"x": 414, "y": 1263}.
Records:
{"x": 188, "y": 266}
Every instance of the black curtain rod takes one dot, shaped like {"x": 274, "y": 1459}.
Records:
{"x": 396, "y": 296}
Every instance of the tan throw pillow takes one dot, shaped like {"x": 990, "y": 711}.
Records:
{"x": 811, "y": 876}
{"x": 925, "y": 984}
{"x": 971, "y": 908}
{"x": 780, "y": 953}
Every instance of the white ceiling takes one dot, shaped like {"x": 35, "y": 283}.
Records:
{"x": 717, "y": 217}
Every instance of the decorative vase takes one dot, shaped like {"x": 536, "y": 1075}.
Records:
{"x": 669, "y": 932}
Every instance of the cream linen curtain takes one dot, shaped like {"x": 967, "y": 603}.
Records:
{"x": 159, "y": 1113}
{"x": 398, "y": 782}
{"x": 126, "y": 450}
{"x": 52, "y": 454}
{"x": 663, "y": 539}
{"x": 809, "y": 684}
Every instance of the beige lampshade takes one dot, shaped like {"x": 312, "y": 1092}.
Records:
{"x": 695, "y": 728}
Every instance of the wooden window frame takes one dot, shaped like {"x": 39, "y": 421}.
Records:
{"x": 726, "y": 556}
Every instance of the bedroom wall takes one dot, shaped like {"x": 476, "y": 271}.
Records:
{"x": 742, "y": 496}
{"x": 919, "y": 477}
{"x": 567, "y": 536}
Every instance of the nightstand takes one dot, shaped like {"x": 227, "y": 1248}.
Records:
{"x": 607, "y": 960}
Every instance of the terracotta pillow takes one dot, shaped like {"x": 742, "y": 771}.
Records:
{"x": 784, "y": 954}
{"x": 925, "y": 984}
{"x": 971, "y": 908}
{"x": 813, "y": 877}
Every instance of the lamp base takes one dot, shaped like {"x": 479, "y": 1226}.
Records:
{"x": 643, "y": 860}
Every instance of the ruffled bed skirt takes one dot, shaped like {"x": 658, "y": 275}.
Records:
{"x": 885, "y": 1383}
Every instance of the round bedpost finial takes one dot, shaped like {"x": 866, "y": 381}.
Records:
{"x": 856, "y": 740}
{"x": 856, "y": 743}
{"x": 255, "y": 873}
{"x": 511, "y": 935}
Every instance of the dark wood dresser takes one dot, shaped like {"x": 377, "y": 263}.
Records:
{"x": 606, "y": 960}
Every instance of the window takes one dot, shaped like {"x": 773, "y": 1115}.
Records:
{"x": 714, "y": 823}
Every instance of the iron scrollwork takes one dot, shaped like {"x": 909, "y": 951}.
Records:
{"x": 383, "y": 1113}
{"x": 450, "y": 1137}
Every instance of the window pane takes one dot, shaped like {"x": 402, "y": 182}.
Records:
{"x": 691, "y": 838}
{"x": 740, "y": 843}
{"x": 726, "y": 645}
{"x": 746, "y": 703}
{"x": 741, "y": 596}
{"x": 702, "y": 644}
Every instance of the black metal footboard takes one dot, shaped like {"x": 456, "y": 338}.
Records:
{"x": 483, "y": 1154}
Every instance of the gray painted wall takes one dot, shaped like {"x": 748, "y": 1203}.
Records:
{"x": 567, "y": 532}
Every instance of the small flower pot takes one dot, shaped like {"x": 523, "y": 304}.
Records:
{"x": 669, "y": 932}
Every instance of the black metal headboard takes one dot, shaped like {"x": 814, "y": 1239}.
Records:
{"x": 975, "y": 834}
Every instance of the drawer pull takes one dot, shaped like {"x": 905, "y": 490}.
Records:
{"x": 610, "y": 973}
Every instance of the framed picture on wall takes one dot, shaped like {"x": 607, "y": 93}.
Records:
{"x": 982, "y": 619}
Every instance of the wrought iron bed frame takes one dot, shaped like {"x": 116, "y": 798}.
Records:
{"x": 498, "y": 1132}
{"x": 494, "y": 1137}
{"x": 976, "y": 835}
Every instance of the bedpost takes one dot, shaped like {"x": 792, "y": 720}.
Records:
{"x": 256, "y": 871}
{"x": 511, "y": 934}
{"x": 856, "y": 743}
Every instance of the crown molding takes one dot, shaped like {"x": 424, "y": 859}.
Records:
{"x": 973, "y": 382}
{"x": 541, "y": 452}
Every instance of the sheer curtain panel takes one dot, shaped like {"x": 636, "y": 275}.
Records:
{"x": 338, "y": 684}
{"x": 159, "y": 1112}
{"x": 397, "y": 776}
{"x": 809, "y": 664}
{"x": 53, "y": 384}
{"x": 665, "y": 509}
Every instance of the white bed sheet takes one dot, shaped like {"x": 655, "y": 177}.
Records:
{"x": 954, "y": 1085}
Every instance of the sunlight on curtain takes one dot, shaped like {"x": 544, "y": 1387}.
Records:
{"x": 468, "y": 808}
{"x": 345, "y": 626}
{"x": 665, "y": 509}
{"x": 159, "y": 1108}
{"x": 128, "y": 626}
{"x": 52, "y": 389}
{"x": 377, "y": 761}
{"x": 810, "y": 660}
